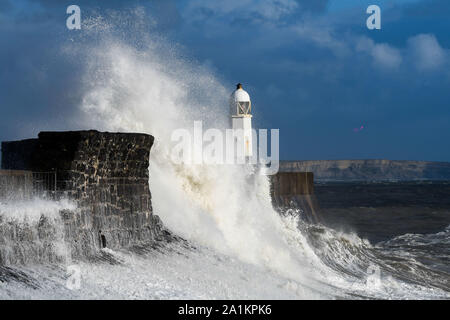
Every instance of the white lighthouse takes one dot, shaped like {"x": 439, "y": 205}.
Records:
{"x": 241, "y": 117}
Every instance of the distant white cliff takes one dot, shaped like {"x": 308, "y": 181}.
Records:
{"x": 370, "y": 170}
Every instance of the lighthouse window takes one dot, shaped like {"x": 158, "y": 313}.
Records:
{"x": 244, "y": 107}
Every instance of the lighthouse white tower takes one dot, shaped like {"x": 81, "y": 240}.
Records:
{"x": 241, "y": 108}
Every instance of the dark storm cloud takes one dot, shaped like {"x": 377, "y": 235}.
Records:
{"x": 313, "y": 5}
{"x": 163, "y": 12}
{"x": 89, "y": 3}
{"x": 39, "y": 83}
{"x": 35, "y": 81}
{"x": 5, "y": 5}
{"x": 315, "y": 75}
{"x": 318, "y": 75}
{"x": 432, "y": 8}
{"x": 247, "y": 14}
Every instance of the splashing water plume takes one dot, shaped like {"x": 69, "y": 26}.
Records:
{"x": 150, "y": 91}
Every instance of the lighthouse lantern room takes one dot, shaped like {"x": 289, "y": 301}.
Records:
{"x": 241, "y": 107}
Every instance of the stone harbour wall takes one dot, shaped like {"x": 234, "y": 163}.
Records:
{"x": 286, "y": 186}
{"x": 15, "y": 185}
{"x": 106, "y": 174}
{"x": 294, "y": 190}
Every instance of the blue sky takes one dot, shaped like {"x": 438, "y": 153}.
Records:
{"x": 312, "y": 68}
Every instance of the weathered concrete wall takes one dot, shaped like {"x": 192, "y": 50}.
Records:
{"x": 106, "y": 174}
{"x": 293, "y": 190}
{"x": 15, "y": 185}
{"x": 292, "y": 183}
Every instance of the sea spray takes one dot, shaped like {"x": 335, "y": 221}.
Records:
{"x": 217, "y": 206}
{"x": 32, "y": 231}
